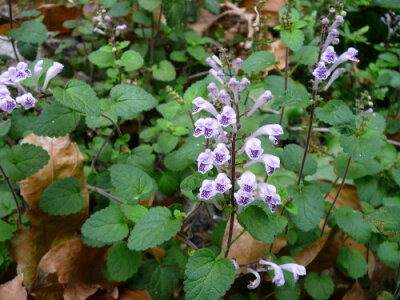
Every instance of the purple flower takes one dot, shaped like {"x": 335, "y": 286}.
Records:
{"x": 120, "y": 28}
{"x": 325, "y": 20}
{"x": 279, "y": 278}
{"x": 211, "y": 127}
{"x": 335, "y": 75}
{"x": 248, "y": 182}
{"x": 214, "y": 62}
{"x": 221, "y": 154}
{"x": 222, "y": 183}
{"x": 6, "y": 78}
{"x": 217, "y": 75}
{"x": 243, "y": 83}
{"x": 52, "y": 72}
{"x": 350, "y": 54}
{"x": 243, "y": 198}
{"x": 7, "y": 104}
{"x": 37, "y": 70}
{"x": 238, "y": 64}
{"x": 339, "y": 21}
{"x": 23, "y": 71}
{"x": 332, "y": 35}
{"x": 205, "y": 161}
{"x": 253, "y": 148}
{"x": 199, "y": 127}
{"x": 213, "y": 91}
{"x": 297, "y": 270}
{"x": 269, "y": 196}
{"x": 329, "y": 55}
{"x": 224, "y": 97}
{"x": 335, "y": 41}
{"x": 99, "y": 31}
{"x": 264, "y": 98}
{"x": 271, "y": 163}
{"x": 4, "y": 92}
{"x": 272, "y": 130}
{"x": 202, "y": 104}
{"x": 107, "y": 18}
{"x": 26, "y": 100}
{"x": 207, "y": 190}
{"x": 234, "y": 86}
{"x": 227, "y": 116}
{"x": 321, "y": 71}
{"x": 255, "y": 283}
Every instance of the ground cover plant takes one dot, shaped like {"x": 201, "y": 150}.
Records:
{"x": 184, "y": 149}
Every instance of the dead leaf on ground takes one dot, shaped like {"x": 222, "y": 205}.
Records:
{"x": 307, "y": 255}
{"x": 135, "y": 295}
{"x": 271, "y": 9}
{"x": 14, "y": 289}
{"x": 355, "y": 293}
{"x": 79, "y": 291}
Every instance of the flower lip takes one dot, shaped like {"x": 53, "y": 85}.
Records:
{"x": 321, "y": 71}
{"x": 221, "y": 154}
{"x": 202, "y": 104}
{"x": 248, "y": 182}
{"x": 255, "y": 283}
{"x": 210, "y": 127}
{"x": 7, "y": 104}
{"x": 26, "y": 100}
{"x": 205, "y": 161}
{"x": 199, "y": 127}
{"x": 329, "y": 55}
{"x": 227, "y": 116}
{"x": 253, "y": 148}
{"x": 243, "y": 198}
{"x": 207, "y": 190}
{"x": 222, "y": 183}
{"x": 279, "y": 278}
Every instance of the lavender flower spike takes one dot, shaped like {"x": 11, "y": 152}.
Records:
{"x": 52, "y": 72}
{"x": 234, "y": 86}
{"x": 207, "y": 190}
{"x": 243, "y": 198}
{"x": 264, "y": 98}
{"x": 222, "y": 183}
{"x": 321, "y": 71}
{"x": 332, "y": 35}
{"x": 213, "y": 91}
{"x": 26, "y": 100}
{"x": 7, "y": 104}
{"x": 217, "y": 75}
{"x": 271, "y": 163}
{"x": 37, "y": 70}
{"x": 278, "y": 278}
{"x": 221, "y": 154}
{"x": 335, "y": 75}
{"x": 227, "y": 116}
{"x": 255, "y": 283}
{"x": 120, "y": 28}
{"x": 205, "y": 161}
{"x": 253, "y": 148}
{"x": 297, "y": 270}
{"x": 202, "y": 104}
{"x": 272, "y": 130}
{"x": 350, "y": 54}
{"x": 224, "y": 97}
{"x": 248, "y": 182}
{"x": 329, "y": 55}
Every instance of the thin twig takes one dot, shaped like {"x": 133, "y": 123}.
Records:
{"x": 336, "y": 196}
{"x": 193, "y": 212}
{"x": 104, "y": 193}
{"x": 11, "y": 27}
{"x": 14, "y": 194}
{"x": 187, "y": 241}
{"x": 92, "y": 166}
{"x": 114, "y": 123}
{"x": 285, "y": 85}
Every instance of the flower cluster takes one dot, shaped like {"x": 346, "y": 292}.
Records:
{"x": 220, "y": 128}
{"x": 12, "y": 79}
{"x": 105, "y": 26}
{"x": 328, "y": 65}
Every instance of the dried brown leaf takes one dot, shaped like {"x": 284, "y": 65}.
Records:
{"x": 135, "y": 295}
{"x": 79, "y": 291}
{"x": 355, "y": 293}
{"x": 14, "y": 289}
{"x": 307, "y": 255}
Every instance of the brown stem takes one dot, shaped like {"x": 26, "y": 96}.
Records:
{"x": 44, "y": 96}
{"x": 104, "y": 193}
{"x": 114, "y": 49}
{"x": 187, "y": 241}
{"x": 285, "y": 87}
{"x": 11, "y": 27}
{"x": 336, "y": 196}
{"x": 14, "y": 194}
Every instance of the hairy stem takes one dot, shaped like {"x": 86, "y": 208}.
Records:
{"x": 14, "y": 194}
{"x": 11, "y": 27}
{"x": 285, "y": 87}
{"x": 336, "y": 196}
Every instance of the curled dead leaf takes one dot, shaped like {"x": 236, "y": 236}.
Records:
{"x": 14, "y": 289}
{"x": 135, "y": 295}
{"x": 307, "y": 255}
{"x": 355, "y": 293}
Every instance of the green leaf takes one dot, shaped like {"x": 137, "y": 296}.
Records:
{"x": 352, "y": 262}
{"x": 212, "y": 6}
{"x": 154, "y": 228}
{"x": 130, "y": 100}
{"x": 198, "y": 53}
{"x": 31, "y": 31}
{"x": 62, "y": 197}
{"x": 287, "y": 292}
{"x": 166, "y": 142}
{"x": 258, "y": 61}
{"x": 168, "y": 183}
{"x": 131, "y": 184}
{"x": 179, "y": 56}
{"x": 131, "y": 60}
{"x": 55, "y": 120}
{"x": 142, "y": 17}
{"x": 191, "y": 184}
{"x": 165, "y": 71}
{"x": 149, "y": 5}
{"x": 258, "y": 215}
{"x": 122, "y": 262}
{"x": 27, "y": 50}
{"x": 108, "y": 3}
{"x": 23, "y": 160}
{"x": 396, "y": 175}
{"x": 310, "y": 204}
{"x": 292, "y": 157}
{"x": 362, "y": 148}
{"x": 173, "y": 11}
{"x": 356, "y": 169}
{"x": 353, "y": 223}
{"x": 307, "y": 55}
{"x": 120, "y": 9}
{"x": 102, "y": 59}
{"x": 134, "y": 212}
{"x": 7, "y": 204}
{"x": 389, "y": 253}
{"x": 79, "y": 96}
{"x": 388, "y": 221}
{"x": 183, "y": 157}
{"x": 6, "y": 231}
{"x": 293, "y": 39}
{"x": 106, "y": 225}
{"x": 207, "y": 277}
{"x": 338, "y": 114}
{"x": 320, "y": 287}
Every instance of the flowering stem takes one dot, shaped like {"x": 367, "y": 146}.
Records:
{"x": 285, "y": 87}
{"x": 114, "y": 49}
{"x": 11, "y": 27}
{"x": 336, "y": 196}
{"x": 14, "y": 194}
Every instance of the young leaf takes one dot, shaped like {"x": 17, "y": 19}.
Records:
{"x": 131, "y": 60}
{"x": 320, "y": 287}
{"x": 292, "y": 157}
{"x": 389, "y": 253}
{"x": 131, "y": 184}
{"x": 258, "y": 61}
{"x": 149, "y": 5}
{"x": 134, "y": 212}
{"x": 23, "y": 160}
{"x": 154, "y": 228}
{"x": 338, "y": 114}
{"x": 121, "y": 263}
{"x": 165, "y": 71}
{"x": 293, "y": 39}
{"x": 166, "y": 142}
{"x": 173, "y": 11}
{"x": 106, "y": 225}
{"x": 62, "y": 197}
{"x": 55, "y": 120}
{"x": 102, "y": 59}
{"x": 79, "y": 96}
{"x": 31, "y": 31}
{"x": 6, "y": 231}
{"x": 352, "y": 262}
{"x": 207, "y": 277}
{"x": 362, "y": 148}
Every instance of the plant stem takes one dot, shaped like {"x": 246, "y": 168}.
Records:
{"x": 114, "y": 123}
{"x": 11, "y": 27}
{"x": 14, "y": 194}
{"x": 92, "y": 166}
{"x": 336, "y": 196}
{"x": 5, "y": 122}
{"x": 104, "y": 193}
{"x": 285, "y": 87}
{"x": 114, "y": 49}
{"x": 187, "y": 241}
